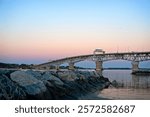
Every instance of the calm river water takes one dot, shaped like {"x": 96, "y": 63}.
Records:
{"x": 132, "y": 86}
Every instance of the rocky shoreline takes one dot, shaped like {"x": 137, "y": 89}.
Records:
{"x": 49, "y": 85}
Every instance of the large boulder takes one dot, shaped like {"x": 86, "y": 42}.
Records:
{"x": 36, "y": 74}
{"x": 47, "y": 76}
{"x": 30, "y": 84}
{"x": 10, "y": 90}
{"x": 3, "y": 71}
{"x": 68, "y": 75}
{"x": 89, "y": 74}
{"x": 6, "y": 72}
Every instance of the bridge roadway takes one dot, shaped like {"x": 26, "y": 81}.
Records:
{"x": 134, "y": 57}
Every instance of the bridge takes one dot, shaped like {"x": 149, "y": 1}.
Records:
{"x": 134, "y": 57}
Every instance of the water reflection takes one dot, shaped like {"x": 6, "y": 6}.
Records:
{"x": 130, "y": 86}
{"x": 140, "y": 81}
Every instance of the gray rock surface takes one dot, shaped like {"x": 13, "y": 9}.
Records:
{"x": 50, "y": 84}
{"x": 31, "y": 85}
{"x": 36, "y": 74}
{"x": 68, "y": 75}
{"x": 53, "y": 79}
{"x": 10, "y": 90}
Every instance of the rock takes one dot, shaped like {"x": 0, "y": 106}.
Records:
{"x": 6, "y": 72}
{"x": 68, "y": 75}
{"x": 47, "y": 76}
{"x": 30, "y": 84}
{"x": 3, "y": 72}
{"x": 49, "y": 84}
{"x": 89, "y": 74}
{"x": 115, "y": 83}
{"x": 10, "y": 90}
{"x": 95, "y": 74}
{"x": 35, "y": 74}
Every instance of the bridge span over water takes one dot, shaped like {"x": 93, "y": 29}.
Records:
{"x": 134, "y": 57}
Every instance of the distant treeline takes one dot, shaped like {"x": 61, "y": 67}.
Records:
{"x": 23, "y": 66}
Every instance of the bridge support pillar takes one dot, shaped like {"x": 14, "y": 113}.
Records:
{"x": 71, "y": 66}
{"x": 99, "y": 67}
{"x": 135, "y": 66}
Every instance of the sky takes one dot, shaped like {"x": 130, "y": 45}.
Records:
{"x": 37, "y": 31}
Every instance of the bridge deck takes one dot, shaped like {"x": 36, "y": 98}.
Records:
{"x": 90, "y": 55}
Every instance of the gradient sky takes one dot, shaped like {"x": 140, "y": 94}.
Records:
{"x": 35, "y": 31}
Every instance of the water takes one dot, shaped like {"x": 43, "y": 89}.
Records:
{"x": 131, "y": 86}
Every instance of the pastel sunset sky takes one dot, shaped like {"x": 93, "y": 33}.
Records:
{"x": 35, "y": 31}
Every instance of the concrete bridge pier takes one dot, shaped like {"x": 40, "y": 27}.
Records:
{"x": 135, "y": 66}
{"x": 71, "y": 66}
{"x": 99, "y": 67}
